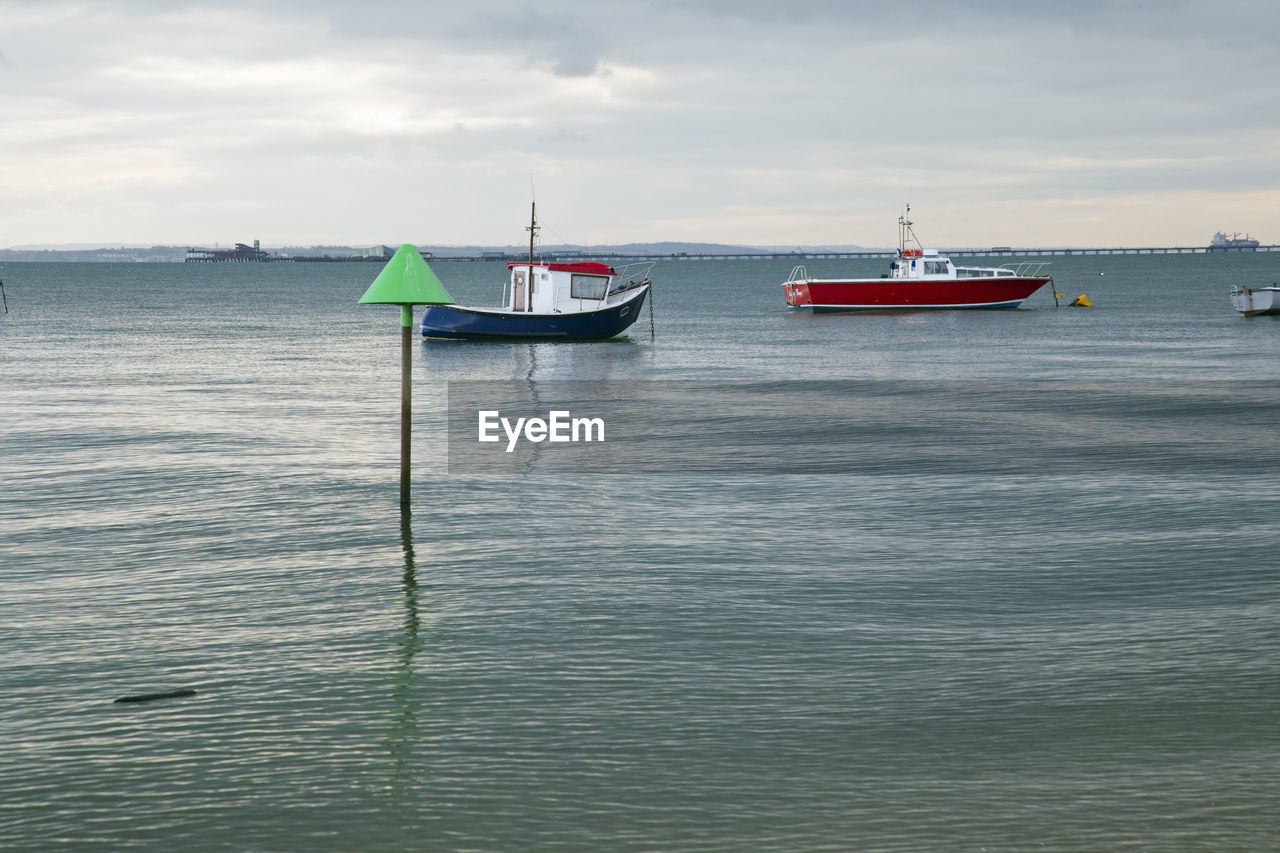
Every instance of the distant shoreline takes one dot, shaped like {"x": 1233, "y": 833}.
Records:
{"x": 157, "y": 253}
{"x": 654, "y": 251}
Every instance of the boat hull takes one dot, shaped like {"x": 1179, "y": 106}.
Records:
{"x": 1252, "y": 302}
{"x": 461, "y": 323}
{"x": 887, "y": 294}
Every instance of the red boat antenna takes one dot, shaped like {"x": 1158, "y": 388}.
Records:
{"x": 905, "y": 232}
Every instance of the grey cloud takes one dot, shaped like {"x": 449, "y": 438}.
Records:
{"x": 564, "y": 42}
{"x": 825, "y": 98}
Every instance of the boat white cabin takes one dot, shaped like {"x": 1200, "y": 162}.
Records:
{"x": 928, "y": 265}
{"x": 544, "y": 287}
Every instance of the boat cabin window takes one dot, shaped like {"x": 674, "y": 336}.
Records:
{"x": 588, "y": 286}
{"x": 935, "y": 267}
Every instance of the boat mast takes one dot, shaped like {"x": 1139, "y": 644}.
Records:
{"x": 533, "y": 230}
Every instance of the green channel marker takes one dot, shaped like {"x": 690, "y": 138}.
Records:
{"x": 406, "y": 281}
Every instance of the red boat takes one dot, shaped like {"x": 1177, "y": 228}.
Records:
{"x": 918, "y": 279}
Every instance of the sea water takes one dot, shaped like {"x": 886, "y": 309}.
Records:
{"x": 199, "y": 489}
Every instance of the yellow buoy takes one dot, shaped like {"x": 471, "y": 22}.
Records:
{"x": 1081, "y": 301}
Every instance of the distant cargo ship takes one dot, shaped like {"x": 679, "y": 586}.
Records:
{"x": 1222, "y": 243}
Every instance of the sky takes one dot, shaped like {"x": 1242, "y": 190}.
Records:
{"x": 750, "y": 122}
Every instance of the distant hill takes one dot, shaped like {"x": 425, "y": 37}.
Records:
{"x": 123, "y": 254}
{"x": 674, "y": 248}
{"x": 665, "y": 248}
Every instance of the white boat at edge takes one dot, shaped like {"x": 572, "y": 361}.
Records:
{"x": 1252, "y": 301}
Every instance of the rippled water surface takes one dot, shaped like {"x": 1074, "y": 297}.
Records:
{"x": 199, "y": 472}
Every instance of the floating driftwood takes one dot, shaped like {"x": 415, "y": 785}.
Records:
{"x": 151, "y": 697}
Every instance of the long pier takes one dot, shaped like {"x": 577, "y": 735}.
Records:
{"x": 253, "y": 254}
{"x": 996, "y": 252}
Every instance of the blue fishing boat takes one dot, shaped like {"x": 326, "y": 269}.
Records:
{"x": 546, "y": 300}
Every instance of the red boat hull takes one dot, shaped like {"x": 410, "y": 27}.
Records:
{"x": 887, "y": 294}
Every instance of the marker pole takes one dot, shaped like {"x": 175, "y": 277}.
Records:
{"x": 406, "y": 398}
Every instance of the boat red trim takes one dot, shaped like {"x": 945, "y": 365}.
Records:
{"x": 583, "y": 267}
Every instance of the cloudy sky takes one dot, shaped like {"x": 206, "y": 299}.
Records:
{"x": 759, "y": 122}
